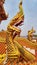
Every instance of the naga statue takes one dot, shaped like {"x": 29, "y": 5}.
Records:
{"x": 14, "y": 42}
{"x": 12, "y": 32}
{"x": 30, "y": 34}
{"x": 3, "y": 15}
{"x": 14, "y": 49}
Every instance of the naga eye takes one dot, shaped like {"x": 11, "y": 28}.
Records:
{"x": 2, "y": 57}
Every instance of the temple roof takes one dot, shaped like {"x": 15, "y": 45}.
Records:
{"x": 3, "y": 36}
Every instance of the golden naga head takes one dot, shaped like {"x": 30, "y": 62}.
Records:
{"x": 20, "y": 15}
{"x": 30, "y": 32}
{"x": 2, "y": 57}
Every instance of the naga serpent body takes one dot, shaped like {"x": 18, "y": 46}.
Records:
{"x": 12, "y": 31}
{"x": 14, "y": 49}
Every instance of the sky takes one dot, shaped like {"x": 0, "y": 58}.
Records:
{"x": 30, "y": 13}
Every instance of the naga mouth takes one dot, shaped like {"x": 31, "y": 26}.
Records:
{"x": 19, "y": 23}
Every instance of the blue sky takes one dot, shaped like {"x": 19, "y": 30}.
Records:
{"x": 30, "y": 12}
